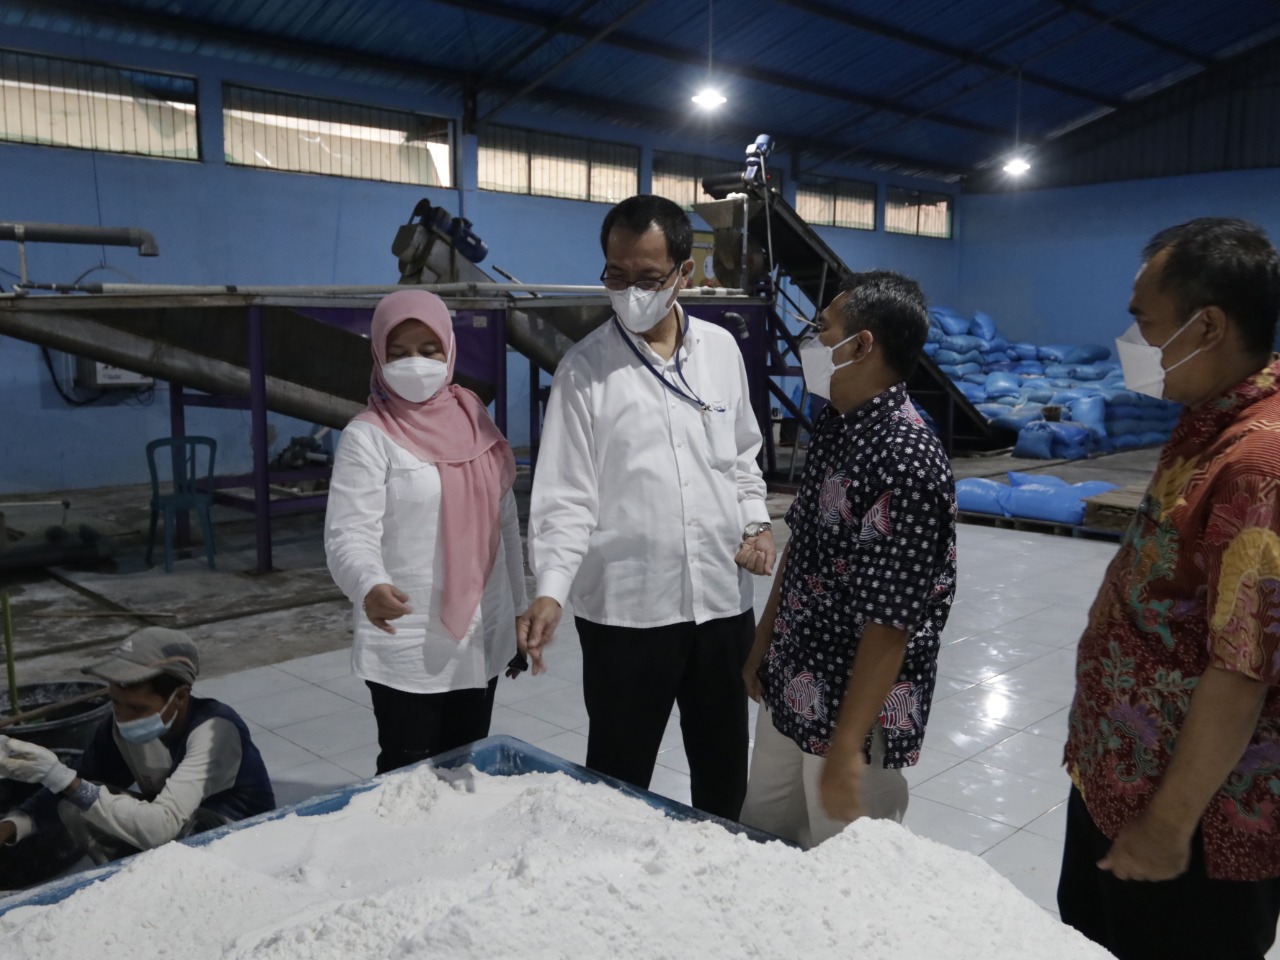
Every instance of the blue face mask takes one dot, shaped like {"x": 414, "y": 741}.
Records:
{"x": 148, "y": 728}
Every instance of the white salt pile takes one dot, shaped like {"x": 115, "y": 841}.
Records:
{"x": 531, "y": 867}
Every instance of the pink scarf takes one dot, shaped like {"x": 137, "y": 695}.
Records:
{"x": 452, "y": 430}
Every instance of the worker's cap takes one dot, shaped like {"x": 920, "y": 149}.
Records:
{"x": 147, "y": 654}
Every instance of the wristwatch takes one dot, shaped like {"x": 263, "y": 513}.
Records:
{"x": 755, "y": 528}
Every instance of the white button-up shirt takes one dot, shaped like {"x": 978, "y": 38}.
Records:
{"x": 640, "y": 497}
{"x": 383, "y": 526}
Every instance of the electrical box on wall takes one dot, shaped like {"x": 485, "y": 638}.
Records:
{"x": 96, "y": 375}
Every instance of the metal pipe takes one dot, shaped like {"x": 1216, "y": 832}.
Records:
{"x": 84, "y": 337}
{"x": 75, "y": 233}
{"x": 465, "y": 288}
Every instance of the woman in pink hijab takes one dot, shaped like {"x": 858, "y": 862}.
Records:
{"x": 421, "y": 534}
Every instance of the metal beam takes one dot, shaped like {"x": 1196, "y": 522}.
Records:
{"x": 1047, "y": 51}
{"x": 689, "y": 57}
{"x": 236, "y": 37}
{"x": 968, "y": 57}
{"x": 499, "y": 72}
{"x": 564, "y": 61}
{"x": 1128, "y": 29}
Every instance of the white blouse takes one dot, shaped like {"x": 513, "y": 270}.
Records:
{"x": 382, "y": 526}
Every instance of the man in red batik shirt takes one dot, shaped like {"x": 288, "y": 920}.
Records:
{"x": 1173, "y": 839}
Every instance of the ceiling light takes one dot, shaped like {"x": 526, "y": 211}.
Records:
{"x": 708, "y": 98}
{"x": 1017, "y": 166}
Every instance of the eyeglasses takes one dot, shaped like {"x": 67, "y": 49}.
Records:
{"x": 648, "y": 286}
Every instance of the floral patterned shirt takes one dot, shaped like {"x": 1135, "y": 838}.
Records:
{"x": 1195, "y": 584}
{"x": 873, "y": 539}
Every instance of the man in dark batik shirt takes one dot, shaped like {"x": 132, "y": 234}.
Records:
{"x": 845, "y": 657}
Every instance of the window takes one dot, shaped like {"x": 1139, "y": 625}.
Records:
{"x": 548, "y": 165}
{"x": 679, "y": 178}
{"x": 916, "y": 212}
{"x": 280, "y": 131}
{"x": 66, "y": 103}
{"x": 837, "y": 203}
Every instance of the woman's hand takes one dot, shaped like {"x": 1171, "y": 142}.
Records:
{"x": 385, "y": 603}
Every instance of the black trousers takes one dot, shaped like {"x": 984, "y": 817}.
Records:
{"x": 1189, "y": 918}
{"x": 414, "y": 726}
{"x": 632, "y": 677}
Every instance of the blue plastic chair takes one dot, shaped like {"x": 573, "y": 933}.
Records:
{"x": 187, "y": 493}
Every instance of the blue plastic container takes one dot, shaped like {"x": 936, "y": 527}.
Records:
{"x": 499, "y": 756}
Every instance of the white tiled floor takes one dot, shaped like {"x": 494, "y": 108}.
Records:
{"x": 989, "y": 780}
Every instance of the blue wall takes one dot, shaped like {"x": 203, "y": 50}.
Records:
{"x": 220, "y": 224}
{"x": 1057, "y": 266}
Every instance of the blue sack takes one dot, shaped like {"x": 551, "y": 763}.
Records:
{"x": 1003, "y": 385}
{"x": 973, "y": 392}
{"x": 982, "y": 326}
{"x": 1034, "y": 442}
{"x": 1053, "y": 353}
{"x": 963, "y": 344}
{"x": 1026, "y": 351}
{"x": 1031, "y": 367}
{"x": 1088, "y": 353}
{"x": 1123, "y": 428}
{"x": 1008, "y": 401}
{"x": 966, "y": 368}
{"x": 943, "y": 355}
{"x": 1071, "y": 441}
{"x": 1018, "y": 478}
{"x": 980, "y": 495}
{"x": 1015, "y": 418}
{"x": 951, "y": 322}
{"x": 1090, "y": 411}
{"x": 1087, "y": 371}
{"x": 1037, "y": 392}
{"x": 930, "y": 349}
{"x": 991, "y": 410}
{"x": 1153, "y": 438}
{"x": 1064, "y": 397}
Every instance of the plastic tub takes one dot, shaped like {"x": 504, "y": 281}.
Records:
{"x": 500, "y": 756}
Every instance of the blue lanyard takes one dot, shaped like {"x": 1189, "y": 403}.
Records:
{"x": 691, "y": 396}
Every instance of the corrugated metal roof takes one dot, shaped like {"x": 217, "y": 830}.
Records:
{"x": 926, "y": 85}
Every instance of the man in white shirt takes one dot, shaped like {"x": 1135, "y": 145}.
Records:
{"x": 649, "y": 514}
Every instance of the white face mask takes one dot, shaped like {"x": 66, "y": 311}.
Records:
{"x": 416, "y": 379}
{"x": 642, "y": 310}
{"x": 815, "y": 359}
{"x": 1143, "y": 364}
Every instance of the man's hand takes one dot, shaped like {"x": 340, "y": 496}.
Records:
{"x": 841, "y": 786}
{"x": 535, "y": 628}
{"x": 385, "y": 603}
{"x": 757, "y": 554}
{"x": 31, "y": 763}
{"x": 8, "y": 832}
{"x": 1147, "y": 849}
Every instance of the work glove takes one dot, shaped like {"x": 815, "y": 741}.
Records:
{"x": 31, "y": 763}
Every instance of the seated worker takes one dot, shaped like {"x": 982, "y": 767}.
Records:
{"x": 189, "y": 759}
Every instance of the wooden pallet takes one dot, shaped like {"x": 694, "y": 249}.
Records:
{"x": 1028, "y": 525}
{"x": 1115, "y": 509}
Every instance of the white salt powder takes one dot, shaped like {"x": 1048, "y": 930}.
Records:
{"x": 532, "y": 867}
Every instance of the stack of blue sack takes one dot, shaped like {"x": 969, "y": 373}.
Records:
{"x": 1011, "y": 383}
{"x": 1029, "y": 496}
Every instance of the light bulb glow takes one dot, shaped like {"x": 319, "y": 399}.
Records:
{"x": 1017, "y": 166}
{"x": 708, "y": 98}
